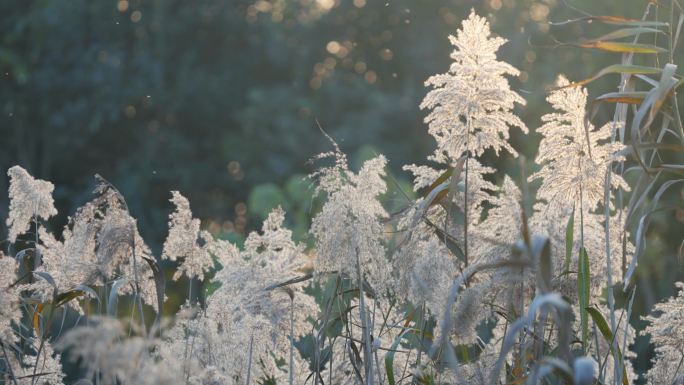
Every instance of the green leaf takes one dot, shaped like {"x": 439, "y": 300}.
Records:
{"x": 159, "y": 285}
{"x": 450, "y": 242}
{"x": 583, "y": 281}
{"x": 389, "y": 357}
{"x": 603, "y": 327}
{"x": 542, "y": 247}
{"x": 569, "y": 239}
{"x": 67, "y": 296}
{"x": 445, "y": 176}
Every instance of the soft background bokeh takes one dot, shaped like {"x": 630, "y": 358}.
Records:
{"x": 219, "y": 99}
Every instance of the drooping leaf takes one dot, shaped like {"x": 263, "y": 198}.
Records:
{"x": 611, "y": 46}
{"x": 665, "y": 87}
{"x": 649, "y": 108}
{"x": 643, "y": 227}
{"x": 114, "y": 296}
{"x": 626, "y": 32}
{"x": 441, "y": 179}
{"x": 36, "y": 318}
{"x": 450, "y": 242}
{"x": 389, "y": 357}
{"x": 617, "y": 69}
{"x": 635, "y": 97}
{"x": 67, "y": 296}
{"x": 603, "y": 327}
{"x": 47, "y": 277}
{"x": 159, "y": 284}
{"x": 615, "y": 20}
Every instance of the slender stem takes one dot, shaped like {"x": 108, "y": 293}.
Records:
{"x": 465, "y": 213}
{"x": 43, "y": 333}
{"x": 9, "y": 364}
{"x": 186, "y": 372}
{"x": 421, "y": 341}
{"x": 330, "y": 362}
{"x": 292, "y": 341}
{"x": 377, "y": 363}
{"x": 580, "y": 258}
{"x": 367, "y": 352}
{"x": 679, "y": 366}
{"x": 137, "y": 282}
{"x": 609, "y": 271}
{"x": 317, "y": 356}
{"x": 422, "y": 334}
{"x": 38, "y": 259}
{"x": 581, "y": 215}
{"x": 249, "y": 360}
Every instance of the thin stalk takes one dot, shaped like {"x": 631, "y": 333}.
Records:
{"x": 465, "y": 203}
{"x": 43, "y": 334}
{"x": 324, "y": 322}
{"x": 367, "y": 352}
{"x": 137, "y": 283}
{"x": 317, "y": 356}
{"x": 377, "y": 363}
{"x": 581, "y": 214}
{"x": 602, "y": 366}
{"x": 679, "y": 366}
{"x": 38, "y": 258}
{"x": 375, "y": 353}
{"x": 61, "y": 325}
{"x": 291, "y": 341}
{"x": 580, "y": 258}
{"x": 249, "y": 360}
{"x": 609, "y": 272}
{"x": 330, "y": 362}
{"x": 672, "y": 33}
{"x": 422, "y": 335}
{"x": 186, "y": 372}
{"x": 9, "y": 365}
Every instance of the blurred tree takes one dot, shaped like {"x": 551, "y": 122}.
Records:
{"x": 217, "y": 97}
{"x": 214, "y": 97}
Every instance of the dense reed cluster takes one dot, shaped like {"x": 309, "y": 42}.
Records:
{"x": 475, "y": 282}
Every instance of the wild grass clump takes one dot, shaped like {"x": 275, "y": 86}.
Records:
{"x": 472, "y": 283}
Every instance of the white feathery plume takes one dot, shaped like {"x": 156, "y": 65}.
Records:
{"x": 187, "y": 241}
{"x": 573, "y": 154}
{"x": 106, "y": 349}
{"x": 249, "y": 309}
{"x": 666, "y": 329}
{"x": 29, "y": 198}
{"x": 10, "y": 312}
{"x": 349, "y": 229}
{"x": 471, "y": 105}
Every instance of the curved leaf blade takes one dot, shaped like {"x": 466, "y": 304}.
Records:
{"x": 611, "y": 46}
{"x": 603, "y": 327}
